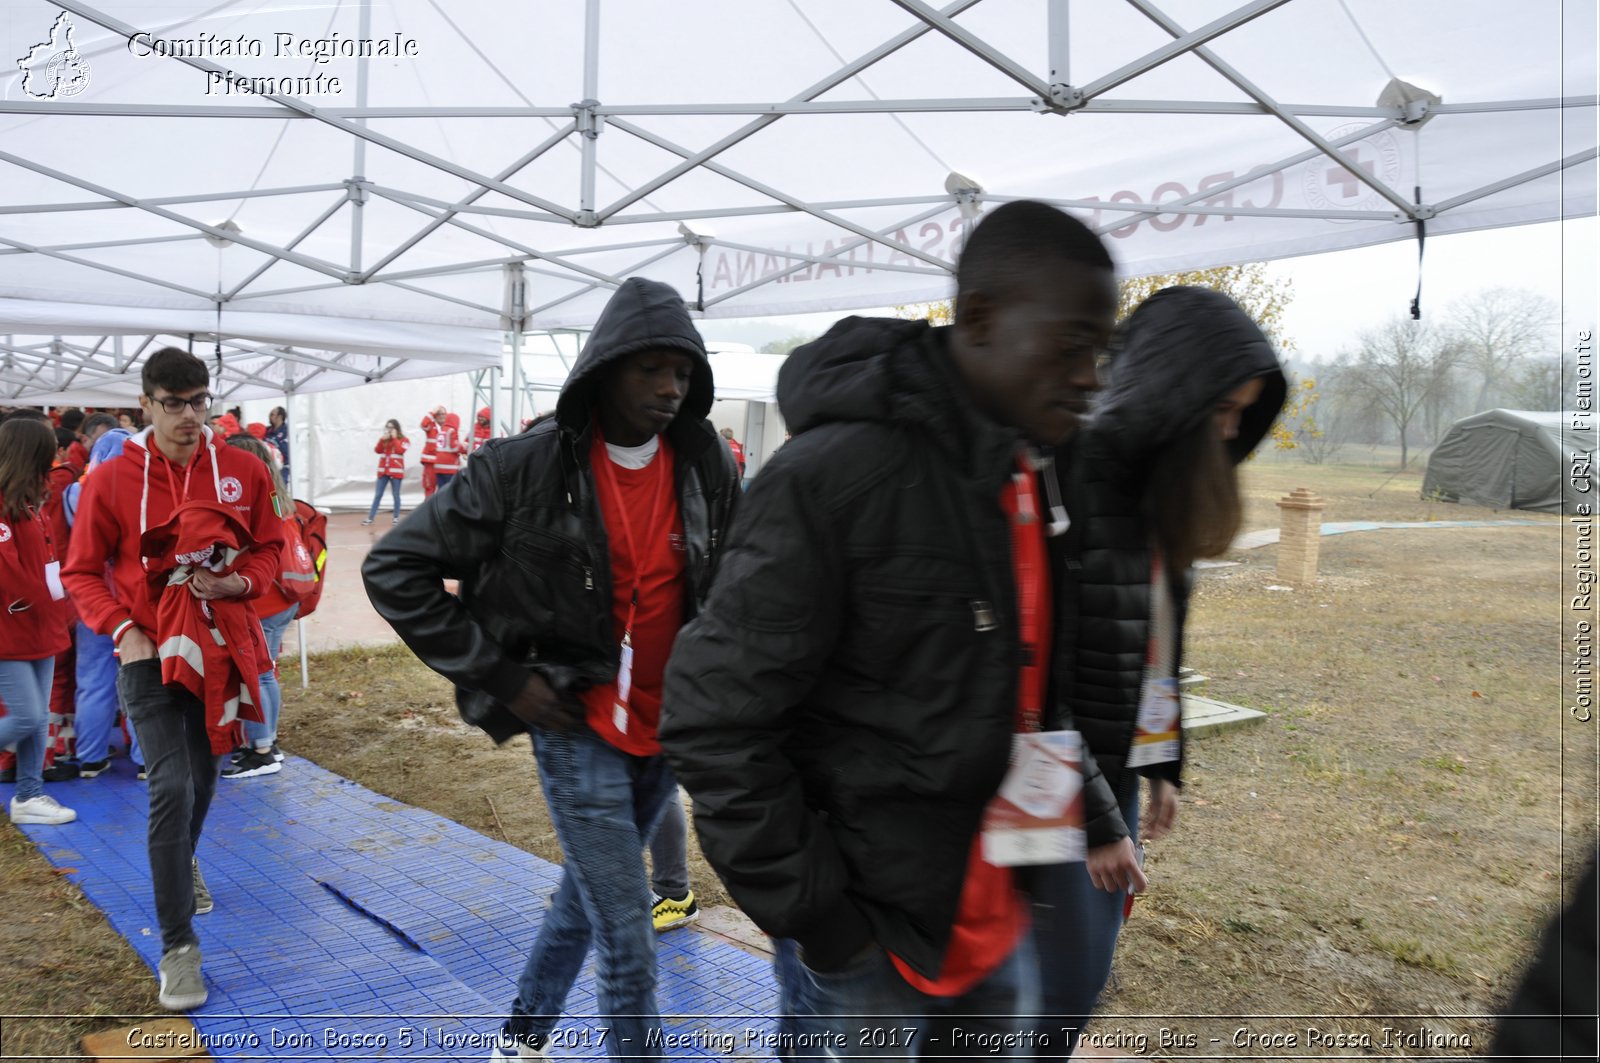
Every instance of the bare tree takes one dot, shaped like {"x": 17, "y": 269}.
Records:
{"x": 1401, "y": 366}
{"x": 1536, "y": 384}
{"x": 1495, "y": 330}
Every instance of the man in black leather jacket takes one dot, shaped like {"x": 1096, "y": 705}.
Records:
{"x": 581, "y": 546}
{"x": 846, "y": 706}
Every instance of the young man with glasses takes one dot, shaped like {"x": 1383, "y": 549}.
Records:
{"x": 174, "y": 461}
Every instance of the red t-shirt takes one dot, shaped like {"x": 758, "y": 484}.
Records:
{"x": 992, "y": 916}
{"x": 650, "y": 553}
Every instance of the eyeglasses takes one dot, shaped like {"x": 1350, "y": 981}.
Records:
{"x": 172, "y": 404}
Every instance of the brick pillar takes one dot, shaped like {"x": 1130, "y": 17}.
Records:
{"x": 1300, "y": 530}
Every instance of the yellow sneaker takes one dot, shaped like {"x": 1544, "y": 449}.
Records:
{"x": 667, "y": 913}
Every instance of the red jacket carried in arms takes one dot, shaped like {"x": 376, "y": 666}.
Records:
{"x": 391, "y": 457}
{"x": 214, "y": 649}
{"x": 33, "y": 625}
{"x": 140, "y": 489}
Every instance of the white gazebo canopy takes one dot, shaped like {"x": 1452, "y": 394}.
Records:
{"x": 352, "y": 191}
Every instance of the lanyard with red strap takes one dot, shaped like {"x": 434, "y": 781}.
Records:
{"x": 625, "y": 658}
{"x": 1027, "y": 548}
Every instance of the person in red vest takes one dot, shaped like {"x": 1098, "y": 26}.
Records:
{"x": 482, "y": 429}
{"x": 448, "y": 450}
{"x": 391, "y": 451}
{"x": 176, "y": 460}
{"x": 738, "y": 451}
{"x": 33, "y": 613}
{"x": 431, "y": 424}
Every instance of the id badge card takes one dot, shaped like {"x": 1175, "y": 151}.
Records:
{"x": 1037, "y": 815}
{"x": 619, "y": 711}
{"x": 1155, "y": 734}
{"x": 52, "y": 579}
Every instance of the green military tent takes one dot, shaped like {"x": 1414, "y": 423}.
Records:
{"x": 1512, "y": 459}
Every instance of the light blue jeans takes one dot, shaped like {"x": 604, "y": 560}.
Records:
{"x": 1075, "y": 927}
{"x": 604, "y": 804}
{"x": 393, "y": 485}
{"x": 25, "y": 689}
{"x": 261, "y": 735}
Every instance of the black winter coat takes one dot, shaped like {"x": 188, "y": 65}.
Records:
{"x": 520, "y": 528}
{"x": 1182, "y": 351}
{"x": 844, "y": 708}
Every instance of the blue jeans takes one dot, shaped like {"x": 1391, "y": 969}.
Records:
{"x": 1075, "y": 928}
{"x": 669, "y": 850}
{"x": 183, "y": 777}
{"x": 377, "y": 496}
{"x": 262, "y": 735}
{"x": 25, "y": 689}
{"x": 97, "y": 704}
{"x": 869, "y": 1011}
{"x": 442, "y": 480}
{"x": 604, "y": 804}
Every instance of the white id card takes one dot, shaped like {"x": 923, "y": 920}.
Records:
{"x": 1155, "y": 734}
{"x": 52, "y": 579}
{"x": 625, "y": 672}
{"x": 619, "y": 710}
{"x": 1037, "y": 816}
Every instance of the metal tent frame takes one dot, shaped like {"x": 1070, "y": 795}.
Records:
{"x": 568, "y": 269}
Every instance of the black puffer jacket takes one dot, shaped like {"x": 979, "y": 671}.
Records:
{"x": 520, "y": 528}
{"x": 843, "y": 709}
{"x": 1183, "y": 350}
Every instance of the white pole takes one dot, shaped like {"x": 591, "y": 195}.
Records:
{"x": 294, "y": 463}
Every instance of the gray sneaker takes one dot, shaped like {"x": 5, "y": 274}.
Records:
{"x": 182, "y": 988}
{"x": 202, "y": 895}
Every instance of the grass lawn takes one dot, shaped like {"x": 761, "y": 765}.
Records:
{"x": 1386, "y": 845}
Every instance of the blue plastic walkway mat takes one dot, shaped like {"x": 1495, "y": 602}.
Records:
{"x": 349, "y": 926}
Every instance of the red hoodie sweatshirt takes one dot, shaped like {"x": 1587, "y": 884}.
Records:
{"x": 138, "y": 490}
{"x": 32, "y": 624}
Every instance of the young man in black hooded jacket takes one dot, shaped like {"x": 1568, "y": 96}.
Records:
{"x": 582, "y": 546}
{"x": 879, "y": 640}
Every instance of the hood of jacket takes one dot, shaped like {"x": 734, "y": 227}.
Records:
{"x": 896, "y": 372}
{"x": 642, "y": 315}
{"x": 1182, "y": 350}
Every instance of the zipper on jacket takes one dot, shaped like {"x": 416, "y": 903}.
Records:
{"x": 588, "y": 578}
{"x": 983, "y": 616}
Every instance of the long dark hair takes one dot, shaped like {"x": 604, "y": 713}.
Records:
{"x": 27, "y": 450}
{"x": 1191, "y": 497}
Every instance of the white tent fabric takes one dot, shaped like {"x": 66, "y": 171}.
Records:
{"x": 496, "y": 167}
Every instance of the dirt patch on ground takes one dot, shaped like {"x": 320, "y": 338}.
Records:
{"x": 67, "y": 973}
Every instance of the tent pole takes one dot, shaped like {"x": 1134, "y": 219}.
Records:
{"x": 1060, "y": 38}
{"x": 358, "y": 166}
{"x": 289, "y": 421}
{"x": 494, "y": 400}
{"x": 515, "y": 315}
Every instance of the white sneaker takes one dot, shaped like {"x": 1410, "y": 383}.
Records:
{"x": 41, "y": 809}
{"x": 507, "y": 1047}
